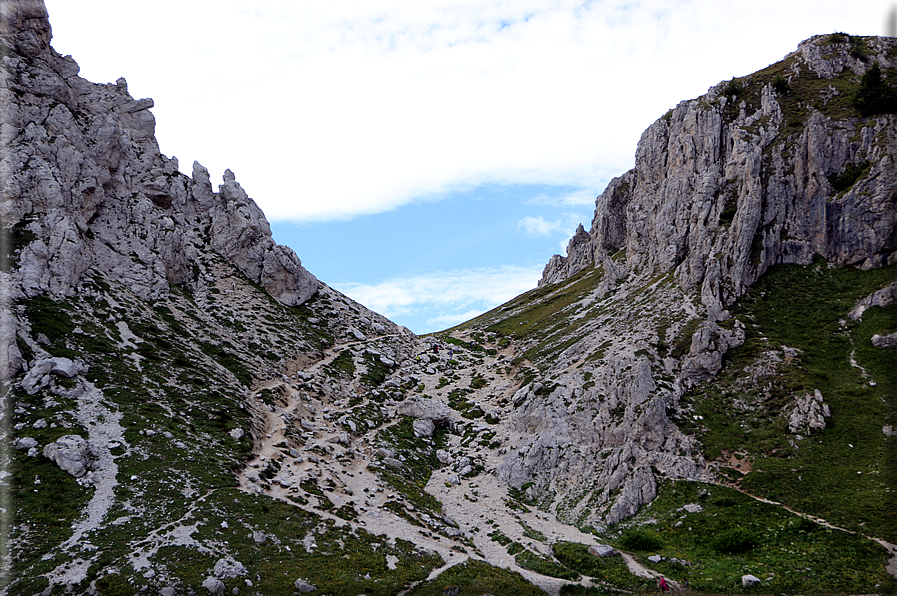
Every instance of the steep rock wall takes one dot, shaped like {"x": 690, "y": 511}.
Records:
{"x": 84, "y": 188}
{"x": 724, "y": 186}
{"x": 722, "y": 189}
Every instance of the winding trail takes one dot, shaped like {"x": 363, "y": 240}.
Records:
{"x": 475, "y": 505}
{"x": 890, "y": 568}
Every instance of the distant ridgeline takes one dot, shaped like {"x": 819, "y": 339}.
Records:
{"x": 188, "y": 410}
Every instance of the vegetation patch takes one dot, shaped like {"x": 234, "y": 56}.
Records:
{"x": 844, "y": 474}
{"x": 612, "y": 570}
{"x": 723, "y": 534}
{"x": 544, "y": 565}
{"x": 475, "y": 578}
{"x": 843, "y": 181}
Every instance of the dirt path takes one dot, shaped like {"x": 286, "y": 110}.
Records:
{"x": 475, "y": 504}
{"x": 890, "y": 568}
{"x": 345, "y": 467}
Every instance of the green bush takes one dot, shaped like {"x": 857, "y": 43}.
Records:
{"x": 781, "y": 85}
{"x": 875, "y": 96}
{"x": 733, "y": 89}
{"x": 734, "y": 541}
{"x": 851, "y": 174}
{"x": 640, "y": 539}
{"x": 838, "y": 38}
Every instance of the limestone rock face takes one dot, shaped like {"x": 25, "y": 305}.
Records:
{"x": 718, "y": 200}
{"x": 724, "y": 186}
{"x": 71, "y": 453}
{"x": 85, "y": 189}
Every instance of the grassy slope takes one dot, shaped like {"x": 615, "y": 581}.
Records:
{"x": 846, "y": 473}
{"x": 187, "y": 374}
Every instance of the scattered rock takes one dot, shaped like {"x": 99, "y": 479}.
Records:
{"x": 213, "y": 585}
{"x": 425, "y": 408}
{"x": 237, "y": 434}
{"x": 259, "y": 537}
{"x": 71, "y": 453}
{"x": 602, "y": 550}
{"x": 423, "y": 427}
{"x": 38, "y": 376}
{"x": 393, "y": 462}
{"x": 304, "y": 587}
{"x": 229, "y": 568}
{"x": 884, "y": 341}
{"x": 25, "y": 443}
{"x": 750, "y": 580}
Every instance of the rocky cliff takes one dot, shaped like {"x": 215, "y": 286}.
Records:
{"x": 85, "y": 189}
{"x": 773, "y": 168}
{"x": 187, "y": 410}
{"x": 746, "y": 176}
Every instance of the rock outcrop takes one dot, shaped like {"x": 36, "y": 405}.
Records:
{"x": 732, "y": 182}
{"x": 758, "y": 171}
{"x": 71, "y": 453}
{"x": 85, "y": 190}
{"x": 809, "y": 413}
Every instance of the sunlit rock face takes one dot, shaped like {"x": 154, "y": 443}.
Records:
{"x": 724, "y": 186}
{"x": 85, "y": 185}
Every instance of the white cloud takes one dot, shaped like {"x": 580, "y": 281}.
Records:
{"x": 333, "y": 109}
{"x": 474, "y": 290}
{"x": 446, "y": 321}
{"x": 539, "y": 226}
{"x": 582, "y": 197}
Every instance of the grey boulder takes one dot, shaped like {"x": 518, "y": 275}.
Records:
{"x": 71, "y": 453}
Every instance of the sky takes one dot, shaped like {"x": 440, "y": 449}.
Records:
{"x": 428, "y": 157}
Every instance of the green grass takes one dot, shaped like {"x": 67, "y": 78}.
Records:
{"x": 475, "y": 578}
{"x": 845, "y": 474}
{"x": 186, "y": 375}
{"x": 420, "y": 461}
{"x": 539, "y": 315}
{"x": 611, "y": 571}
{"x": 800, "y": 556}
{"x": 544, "y": 565}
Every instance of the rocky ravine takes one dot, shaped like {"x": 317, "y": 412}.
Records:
{"x": 175, "y": 377}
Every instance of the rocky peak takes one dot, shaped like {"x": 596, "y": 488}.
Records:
{"x": 86, "y": 190}
{"x": 743, "y": 177}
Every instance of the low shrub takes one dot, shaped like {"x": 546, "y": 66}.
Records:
{"x": 640, "y": 539}
{"x": 734, "y": 541}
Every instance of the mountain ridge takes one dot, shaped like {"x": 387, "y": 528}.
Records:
{"x": 188, "y": 409}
